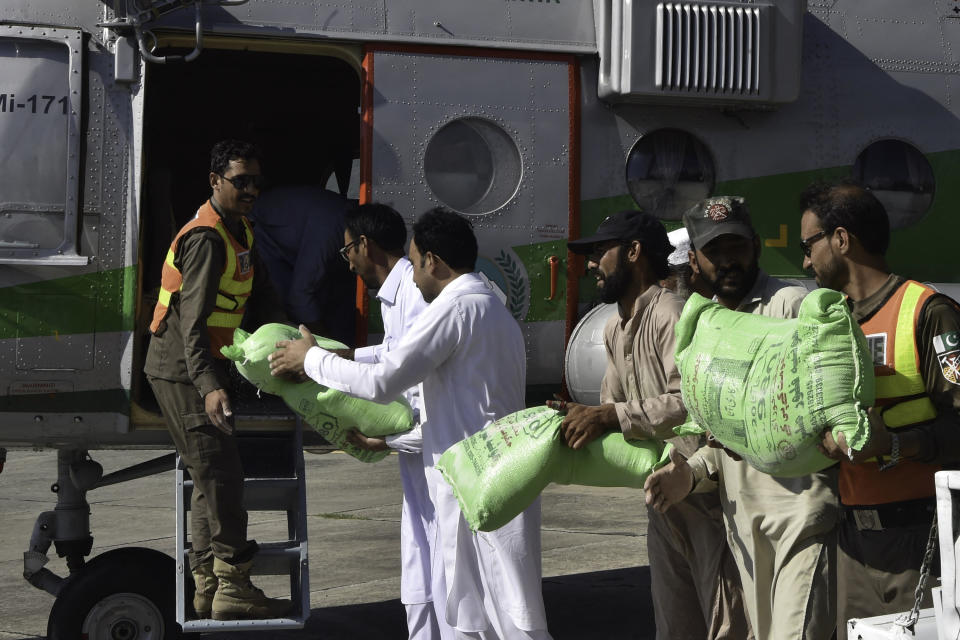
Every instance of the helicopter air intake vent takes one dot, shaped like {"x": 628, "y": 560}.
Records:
{"x": 708, "y": 48}
{"x": 720, "y": 53}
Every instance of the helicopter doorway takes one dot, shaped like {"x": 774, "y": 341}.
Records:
{"x": 300, "y": 106}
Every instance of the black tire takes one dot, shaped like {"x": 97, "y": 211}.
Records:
{"x": 123, "y": 593}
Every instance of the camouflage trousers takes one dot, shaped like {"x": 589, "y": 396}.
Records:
{"x": 218, "y": 520}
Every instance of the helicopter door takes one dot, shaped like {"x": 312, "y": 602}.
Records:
{"x": 490, "y": 135}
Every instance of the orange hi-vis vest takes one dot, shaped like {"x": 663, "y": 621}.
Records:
{"x": 236, "y": 280}
{"x": 902, "y": 400}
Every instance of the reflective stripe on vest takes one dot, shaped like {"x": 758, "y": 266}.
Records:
{"x": 902, "y": 391}
{"x": 901, "y": 397}
{"x": 236, "y": 280}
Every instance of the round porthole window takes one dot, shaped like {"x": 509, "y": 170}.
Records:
{"x": 669, "y": 170}
{"x": 901, "y": 178}
{"x": 472, "y": 165}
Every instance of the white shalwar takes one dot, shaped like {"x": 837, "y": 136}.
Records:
{"x": 467, "y": 354}
{"x": 400, "y": 304}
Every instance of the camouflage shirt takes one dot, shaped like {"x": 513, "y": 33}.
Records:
{"x": 181, "y": 352}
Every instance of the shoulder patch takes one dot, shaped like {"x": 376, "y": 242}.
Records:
{"x": 947, "y": 342}
{"x": 950, "y": 365}
{"x": 947, "y": 346}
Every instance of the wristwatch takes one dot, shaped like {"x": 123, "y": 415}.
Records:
{"x": 894, "y": 453}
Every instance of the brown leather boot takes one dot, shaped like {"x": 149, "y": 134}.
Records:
{"x": 206, "y": 586}
{"x": 238, "y": 599}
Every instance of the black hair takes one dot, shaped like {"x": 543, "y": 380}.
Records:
{"x": 226, "y": 150}
{"x": 378, "y": 222}
{"x": 657, "y": 261}
{"x": 448, "y": 236}
{"x": 848, "y": 204}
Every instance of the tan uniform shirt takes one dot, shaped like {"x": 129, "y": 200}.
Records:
{"x": 691, "y": 569}
{"x": 642, "y": 379}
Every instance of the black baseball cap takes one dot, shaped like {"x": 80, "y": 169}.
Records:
{"x": 715, "y": 217}
{"x": 627, "y": 225}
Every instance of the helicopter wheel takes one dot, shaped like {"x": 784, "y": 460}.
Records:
{"x": 124, "y": 594}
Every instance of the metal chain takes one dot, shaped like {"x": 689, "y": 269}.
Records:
{"x": 909, "y": 619}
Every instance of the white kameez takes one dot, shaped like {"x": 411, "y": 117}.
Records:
{"x": 400, "y": 304}
{"x": 467, "y": 353}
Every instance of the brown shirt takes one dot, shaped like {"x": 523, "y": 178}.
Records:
{"x": 642, "y": 379}
{"x": 939, "y": 318}
{"x": 180, "y": 352}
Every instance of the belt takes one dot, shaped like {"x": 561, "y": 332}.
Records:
{"x": 909, "y": 513}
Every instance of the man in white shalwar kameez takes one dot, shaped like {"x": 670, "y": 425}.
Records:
{"x": 373, "y": 244}
{"x": 467, "y": 354}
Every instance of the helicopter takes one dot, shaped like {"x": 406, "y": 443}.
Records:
{"x": 534, "y": 118}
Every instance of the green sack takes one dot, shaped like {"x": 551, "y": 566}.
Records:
{"x": 331, "y": 413}
{"x": 499, "y": 471}
{"x": 767, "y": 388}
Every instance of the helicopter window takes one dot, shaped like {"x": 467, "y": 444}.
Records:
{"x": 901, "y": 178}
{"x": 668, "y": 170}
{"x": 38, "y": 147}
{"x": 33, "y": 108}
{"x": 472, "y": 165}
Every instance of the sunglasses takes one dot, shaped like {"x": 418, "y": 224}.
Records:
{"x": 807, "y": 243}
{"x": 243, "y": 181}
{"x": 345, "y": 249}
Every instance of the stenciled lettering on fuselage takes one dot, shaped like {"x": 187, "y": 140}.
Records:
{"x": 33, "y": 104}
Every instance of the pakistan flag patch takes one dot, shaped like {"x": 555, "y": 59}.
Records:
{"x": 947, "y": 346}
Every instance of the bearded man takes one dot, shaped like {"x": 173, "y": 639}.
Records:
{"x": 781, "y": 531}
{"x": 694, "y": 582}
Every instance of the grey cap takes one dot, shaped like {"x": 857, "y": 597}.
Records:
{"x": 717, "y": 216}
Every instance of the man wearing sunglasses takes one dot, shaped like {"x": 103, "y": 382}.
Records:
{"x": 208, "y": 281}
{"x": 913, "y": 333}
{"x": 781, "y": 531}
{"x": 374, "y": 239}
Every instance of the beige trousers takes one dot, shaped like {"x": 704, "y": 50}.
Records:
{"x": 694, "y": 581}
{"x": 782, "y": 533}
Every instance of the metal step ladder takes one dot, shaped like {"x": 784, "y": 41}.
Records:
{"x": 273, "y": 466}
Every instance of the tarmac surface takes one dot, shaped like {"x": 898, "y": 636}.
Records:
{"x": 596, "y": 580}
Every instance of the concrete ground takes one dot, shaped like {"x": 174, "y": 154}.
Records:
{"x": 596, "y": 582}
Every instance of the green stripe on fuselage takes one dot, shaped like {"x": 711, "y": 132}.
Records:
{"x": 89, "y": 303}
{"x": 536, "y": 259}
{"x": 923, "y": 250}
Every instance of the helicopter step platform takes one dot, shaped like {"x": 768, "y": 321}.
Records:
{"x": 274, "y": 470}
